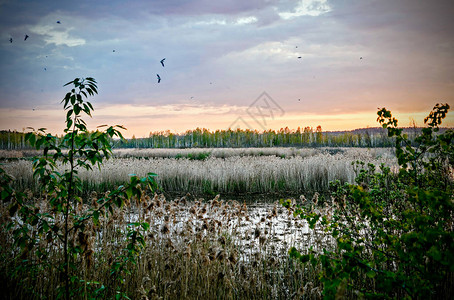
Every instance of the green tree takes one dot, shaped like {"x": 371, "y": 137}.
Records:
{"x": 62, "y": 222}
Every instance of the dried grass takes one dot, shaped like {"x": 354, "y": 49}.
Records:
{"x": 229, "y": 175}
{"x": 214, "y": 249}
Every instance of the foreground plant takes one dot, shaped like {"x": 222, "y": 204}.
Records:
{"x": 394, "y": 232}
{"x": 60, "y": 226}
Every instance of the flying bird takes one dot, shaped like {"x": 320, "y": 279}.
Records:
{"x": 361, "y": 57}
{"x": 58, "y": 22}
{"x": 45, "y": 69}
{"x": 162, "y": 61}
{"x": 10, "y": 40}
{"x": 299, "y": 56}
{"x": 113, "y": 50}
{"x": 159, "y": 78}
{"x": 26, "y": 37}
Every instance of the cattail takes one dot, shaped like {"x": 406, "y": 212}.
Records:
{"x": 256, "y": 232}
{"x": 303, "y": 199}
{"x": 165, "y": 228}
{"x": 94, "y": 199}
{"x": 274, "y": 211}
{"x": 205, "y": 225}
{"x": 233, "y": 258}
{"x": 262, "y": 240}
{"x": 315, "y": 198}
{"x": 169, "y": 245}
{"x": 203, "y": 210}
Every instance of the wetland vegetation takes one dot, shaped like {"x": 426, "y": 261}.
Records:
{"x": 83, "y": 220}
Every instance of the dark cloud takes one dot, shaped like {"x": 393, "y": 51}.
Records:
{"x": 425, "y": 17}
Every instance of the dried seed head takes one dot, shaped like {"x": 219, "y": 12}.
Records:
{"x": 205, "y": 225}
{"x": 262, "y": 239}
{"x": 315, "y": 198}
{"x": 274, "y": 211}
{"x": 206, "y": 260}
{"x": 165, "y": 228}
{"x": 169, "y": 245}
{"x": 233, "y": 257}
{"x": 256, "y": 232}
{"x": 192, "y": 210}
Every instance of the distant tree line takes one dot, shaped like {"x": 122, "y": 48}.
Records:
{"x": 301, "y": 137}
{"x": 204, "y": 138}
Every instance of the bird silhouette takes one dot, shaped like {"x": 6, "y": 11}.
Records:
{"x": 113, "y": 50}
{"x": 159, "y": 78}
{"x": 299, "y": 56}
{"x": 10, "y": 40}
{"x": 26, "y": 37}
{"x": 361, "y": 57}
{"x": 45, "y": 69}
{"x": 58, "y": 22}
{"x": 162, "y": 61}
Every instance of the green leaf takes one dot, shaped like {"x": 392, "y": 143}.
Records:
{"x": 76, "y": 109}
{"x": 68, "y": 114}
{"x": 129, "y": 192}
{"x": 96, "y": 217}
{"x": 371, "y": 274}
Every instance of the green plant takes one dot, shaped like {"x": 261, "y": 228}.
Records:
{"x": 393, "y": 233}
{"x": 63, "y": 222}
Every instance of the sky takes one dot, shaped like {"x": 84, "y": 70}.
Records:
{"x": 253, "y": 64}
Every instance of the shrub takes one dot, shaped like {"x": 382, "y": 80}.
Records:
{"x": 393, "y": 232}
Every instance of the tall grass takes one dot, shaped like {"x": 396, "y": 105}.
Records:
{"x": 230, "y": 175}
{"x": 194, "y": 249}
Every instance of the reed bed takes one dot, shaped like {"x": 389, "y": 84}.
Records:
{"x": 230, "y": 175}
{"x": 194, "y": 249}
{"x": 284, "y": 152}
